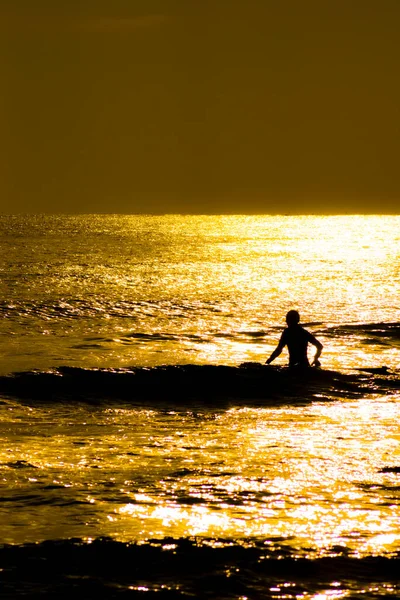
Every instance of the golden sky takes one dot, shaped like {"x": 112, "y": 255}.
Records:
{"x": 240, "y": 106}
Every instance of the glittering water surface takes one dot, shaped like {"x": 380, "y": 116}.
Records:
{"x": 121, "y": 290}
{"x": 113, "y": 291}
{"x": 309, "y": 474}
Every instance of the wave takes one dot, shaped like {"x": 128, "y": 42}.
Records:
{"x": 78, "y": 308}
{"x": 250, "y": 382}
{"x": 201, "y": 568}
{"x": 374, "y": 331}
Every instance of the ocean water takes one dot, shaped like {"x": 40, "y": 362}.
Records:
{"x": 125, "y": 474}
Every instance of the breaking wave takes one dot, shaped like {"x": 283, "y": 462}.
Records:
{"x": 249, "y": 383}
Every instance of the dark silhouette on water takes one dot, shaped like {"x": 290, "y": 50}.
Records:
{"x": 296, "y": 338}
{"x": 212, "y": 385}
{"x": 188, "y": 567}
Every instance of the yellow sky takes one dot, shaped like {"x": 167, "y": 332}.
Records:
{"x": 200, "y": 106}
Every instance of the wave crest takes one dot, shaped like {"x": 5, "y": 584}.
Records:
{"x": 251, "y": 382}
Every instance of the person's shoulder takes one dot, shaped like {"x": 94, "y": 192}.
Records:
{"x": 308, "y": 334}
{"x": 285, "y": 333}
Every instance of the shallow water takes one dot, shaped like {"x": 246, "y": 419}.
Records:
{"x": 313, "y": 477}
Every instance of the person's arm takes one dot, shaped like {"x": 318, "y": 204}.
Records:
{"x": 313, "y": 340}
{"x": 277, "y": 350}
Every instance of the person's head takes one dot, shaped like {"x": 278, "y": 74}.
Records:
{"x": 292, "y": 318}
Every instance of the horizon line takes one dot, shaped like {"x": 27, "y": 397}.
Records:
{"x": 201, "y": 214}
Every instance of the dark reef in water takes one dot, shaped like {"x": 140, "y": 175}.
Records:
{"x": 172, "y": 568}
{"x": 214, "y": 384}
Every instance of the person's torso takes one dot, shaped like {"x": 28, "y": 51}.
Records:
{"x": 296, "y": 339}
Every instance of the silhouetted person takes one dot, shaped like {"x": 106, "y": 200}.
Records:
{"x": 296, "y": 338}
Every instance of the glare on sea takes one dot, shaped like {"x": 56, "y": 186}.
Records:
{"x": 309, "y": 475}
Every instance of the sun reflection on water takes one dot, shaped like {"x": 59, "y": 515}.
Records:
{"x": 112, "y": 291}
{"x": 313, "y": 476}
